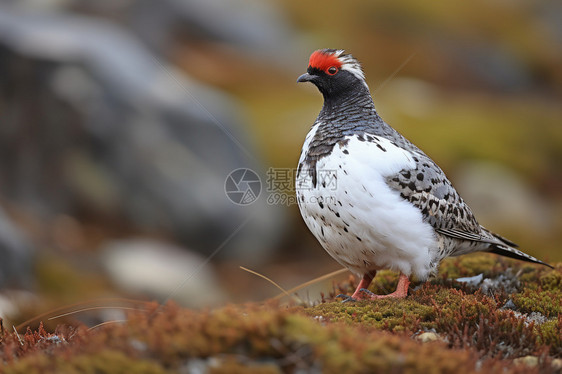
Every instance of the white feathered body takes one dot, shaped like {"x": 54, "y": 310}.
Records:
{"x": 359, "y": 220}
{"x": 372, "y": 198}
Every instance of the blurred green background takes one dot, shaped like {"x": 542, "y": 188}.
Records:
{"x": 476, "y": 85}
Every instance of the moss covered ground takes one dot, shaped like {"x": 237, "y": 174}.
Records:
{"x": 510, "y": 322}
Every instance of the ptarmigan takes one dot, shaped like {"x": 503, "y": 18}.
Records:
{"x": 373, "y": 199}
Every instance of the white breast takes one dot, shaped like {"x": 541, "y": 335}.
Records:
{"x": 359, "y": 220}
{"x": 307, "y": 141}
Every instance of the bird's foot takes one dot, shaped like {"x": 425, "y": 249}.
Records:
{"x": 346, "y": 298}
{"x": 362, "y": 293}
{"x": 369, "y": 295}
{"x": 401, "y": 292}
{"x": 394, "y": 295}
{"x": 365, "y": 294}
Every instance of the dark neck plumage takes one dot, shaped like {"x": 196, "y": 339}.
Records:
{"x": 351, "y": 106}
{"x": 351, "y": 112}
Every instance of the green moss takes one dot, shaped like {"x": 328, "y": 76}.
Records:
{"x": 543, "y": 277}
{"x": 450, "y": 303}
{"x": 30, "y": 365}
{"x": 333, "y": 337}
{"x": 465, "y": 318}
{"x": 529, "y": 274}
{"x": 547, "y": 302}
{"x": 61, "y": 281}
{"x": 101, "y": 362}
{"x": 234, "y": 365}
{"x": 161, "y": 340}
{"x": 470, "y": 265}
{"x": 388, "y": 314}
{"x": 384, "y": 282}
{"x": 342, "y": 349}
{"x": 550, "y": 333}
{"x": 551, "y": 279}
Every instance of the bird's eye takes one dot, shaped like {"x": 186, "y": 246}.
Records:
{"x": 332, "y": 70}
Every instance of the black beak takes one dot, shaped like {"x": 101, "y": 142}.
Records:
{"x": 306, "y": 78}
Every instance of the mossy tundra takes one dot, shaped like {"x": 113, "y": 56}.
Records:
{"x": 471, "y": 328}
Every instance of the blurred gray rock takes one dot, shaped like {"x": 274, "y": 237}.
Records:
{"x": 498, "y": 195}
{"x": 16, "y": 255}
{"x": 550, "y": 13}
{"x": 93, "y": 124}
{"x": 162, "y": 271}
{"x": 256, "y": 28}
{"x": 507, "y": 282}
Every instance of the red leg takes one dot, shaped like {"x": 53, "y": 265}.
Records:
{"x": 401, "y": 290}
{"x": 400, "y": 293}
{"x": 364, "y": 284}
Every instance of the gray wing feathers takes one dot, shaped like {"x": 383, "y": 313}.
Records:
{"x": 464, "y": 235}
{"x": 427, "y": 188}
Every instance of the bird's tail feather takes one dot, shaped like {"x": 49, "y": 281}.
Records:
{"x": 508, "y": 251}
{"x": 503, "y": 240}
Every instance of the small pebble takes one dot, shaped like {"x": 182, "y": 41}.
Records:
{"x": 427, "y": 337}
{"x": 530, "y": 361}
{"x": 557, "y": 365}
{"x": 471, "y": 281}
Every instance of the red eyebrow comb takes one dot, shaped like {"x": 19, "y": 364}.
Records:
{"x": 323, "y": 60}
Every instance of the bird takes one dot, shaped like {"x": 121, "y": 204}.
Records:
{"x": 372, "y": 198}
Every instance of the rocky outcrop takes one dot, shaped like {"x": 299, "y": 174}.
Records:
{"x": 95, "y": 124}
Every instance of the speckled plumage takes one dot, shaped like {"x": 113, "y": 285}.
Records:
{"x": 392, "y": 206}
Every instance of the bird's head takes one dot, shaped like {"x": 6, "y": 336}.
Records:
{"x": 334, "y": 72}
